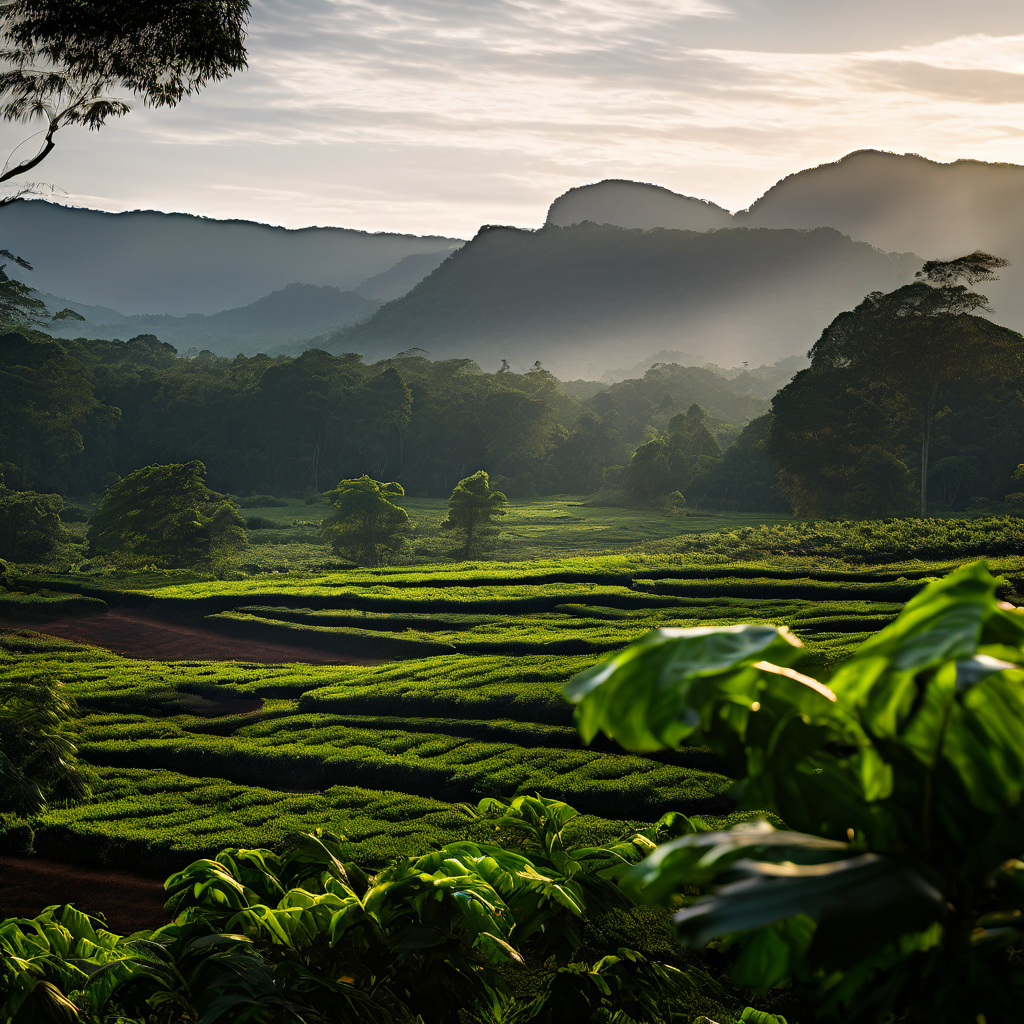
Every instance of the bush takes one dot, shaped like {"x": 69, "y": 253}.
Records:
{"x": 16, "y": 836}
{"x": 263, "y": 523}
{"x": 261, "y": 501}
{"x": 30, "y": 526}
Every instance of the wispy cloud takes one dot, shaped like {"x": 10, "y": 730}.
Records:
{"x": 437, "y": 115}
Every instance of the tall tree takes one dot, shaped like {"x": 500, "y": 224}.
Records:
{"x": 65, "y": 58}
{"x": 366, "y": 526}
{"x": 896, "y": 354}
{"x": 472, "y": 509}
{"x": 47, "y": 401}
{"x": 649, "y": 474}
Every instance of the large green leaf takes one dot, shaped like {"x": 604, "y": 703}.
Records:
{"x": 666, "y": 686}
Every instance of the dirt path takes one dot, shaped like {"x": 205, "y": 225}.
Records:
{"x": 30, "y": 884}
{"x": 135, "y": 635}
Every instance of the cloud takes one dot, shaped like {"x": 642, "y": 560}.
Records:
{"x": 485, "y": 111}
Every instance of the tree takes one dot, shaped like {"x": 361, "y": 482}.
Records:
{"x": 649, "y": 474}
{"x": 18, "y": 307}
{"x": 166, "y": 514}
{"x": 30, "y": 526}
{"x": 64, "y": 57}
{"x": 472, "y": 509}
{"x": 899, "y": 894}
{"x": 47, "y": 401}
{"x": 37, "y": 760}
{"x": 367, "y": 526}
{"x": 691, "y": 445}
{"x": 921, "y": 337}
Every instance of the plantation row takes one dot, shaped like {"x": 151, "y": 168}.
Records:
{"x": 475, "y": 711}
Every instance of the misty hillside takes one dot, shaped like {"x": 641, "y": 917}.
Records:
{"x": 899, "y": 203}
{"x": 294, "y": 313}
{"x": 403, "y": 276}
{"x": 634, "y": 204}
{"x": 908, "y": 203}
{"x": 149, "y": 262}
{"x": 586, "y": 298}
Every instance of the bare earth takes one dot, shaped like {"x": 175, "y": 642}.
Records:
{"x": 129, "y": 903}
{"x": 136, "y": 635}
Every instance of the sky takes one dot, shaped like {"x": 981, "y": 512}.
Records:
{"x": 437, "y": 116}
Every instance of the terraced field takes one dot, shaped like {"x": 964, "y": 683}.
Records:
{"x": 190, "y": 756}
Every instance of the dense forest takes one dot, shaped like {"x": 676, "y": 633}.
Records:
{"x": 82, "y": 413}
{"x": 842, "y": 437}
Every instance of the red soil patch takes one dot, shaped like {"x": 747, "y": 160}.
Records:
{"x": 135, "y": 635}
{"x": 28, "y": 885}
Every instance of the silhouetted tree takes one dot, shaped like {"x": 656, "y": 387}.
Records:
{"x": 63, "y": 58}
{"x": 879, "y": 377}
{"x": 648, "y": 476}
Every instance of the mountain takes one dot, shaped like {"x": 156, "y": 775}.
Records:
{"x": 175, "y": 263}
{"x": 295, "y": 313}
{"x": 403, "y": 276}
{"x": 634, "y": 204}
{"x": 589, "y": 297}
{"x": 897, "y": 202}
{"x": 908, "y": 203}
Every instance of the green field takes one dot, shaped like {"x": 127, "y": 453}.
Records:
{"x": 467, "y": 700}
{"x": 553, "y": 527}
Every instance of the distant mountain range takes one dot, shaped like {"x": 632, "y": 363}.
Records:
{"x": 149, "y": 262}
{"x": 666, "y": 272}
{"x": 581, "y": 298}
{"x": 295, "y": 313}
{"x": 902, "y": 203}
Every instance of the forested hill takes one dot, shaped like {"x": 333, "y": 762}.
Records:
{"x": 584, "y": 298}
{"x": 76, "y": 411}
{"x": 149, "y": 262}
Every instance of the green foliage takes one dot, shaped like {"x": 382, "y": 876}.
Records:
{"x": 472, "y": 508}
{"x": 49, "y": 403}
{"x": 649, "y": 473}
{"x": 30, "y": 526}
{"x": 846, "y": 432}
{"x": 366, "y": 525}
{"x": 526, "y": 923}
{"x": 261, "y": 501}
{"x": 16, "y": 836}
{"x": 904, "y": 775}
{"x": 166, "y": 514}
{"x": 37, "y": 760}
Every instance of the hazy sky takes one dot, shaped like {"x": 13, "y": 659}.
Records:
{"x": 439, "y": 115}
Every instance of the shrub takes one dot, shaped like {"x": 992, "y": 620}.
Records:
{"x": 263, "y": 523}
{"x": 260, "y": 501}
{"x": 16, "y": 836}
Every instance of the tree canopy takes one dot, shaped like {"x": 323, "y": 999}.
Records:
{"x": 30, "y": 525}
{"x": 472, "y": 509}
{"x": 167, "y": 515}
{"x": 881, "y": 376}
{"x": 63, "y": 58}
{"x": 366, "y": 525}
